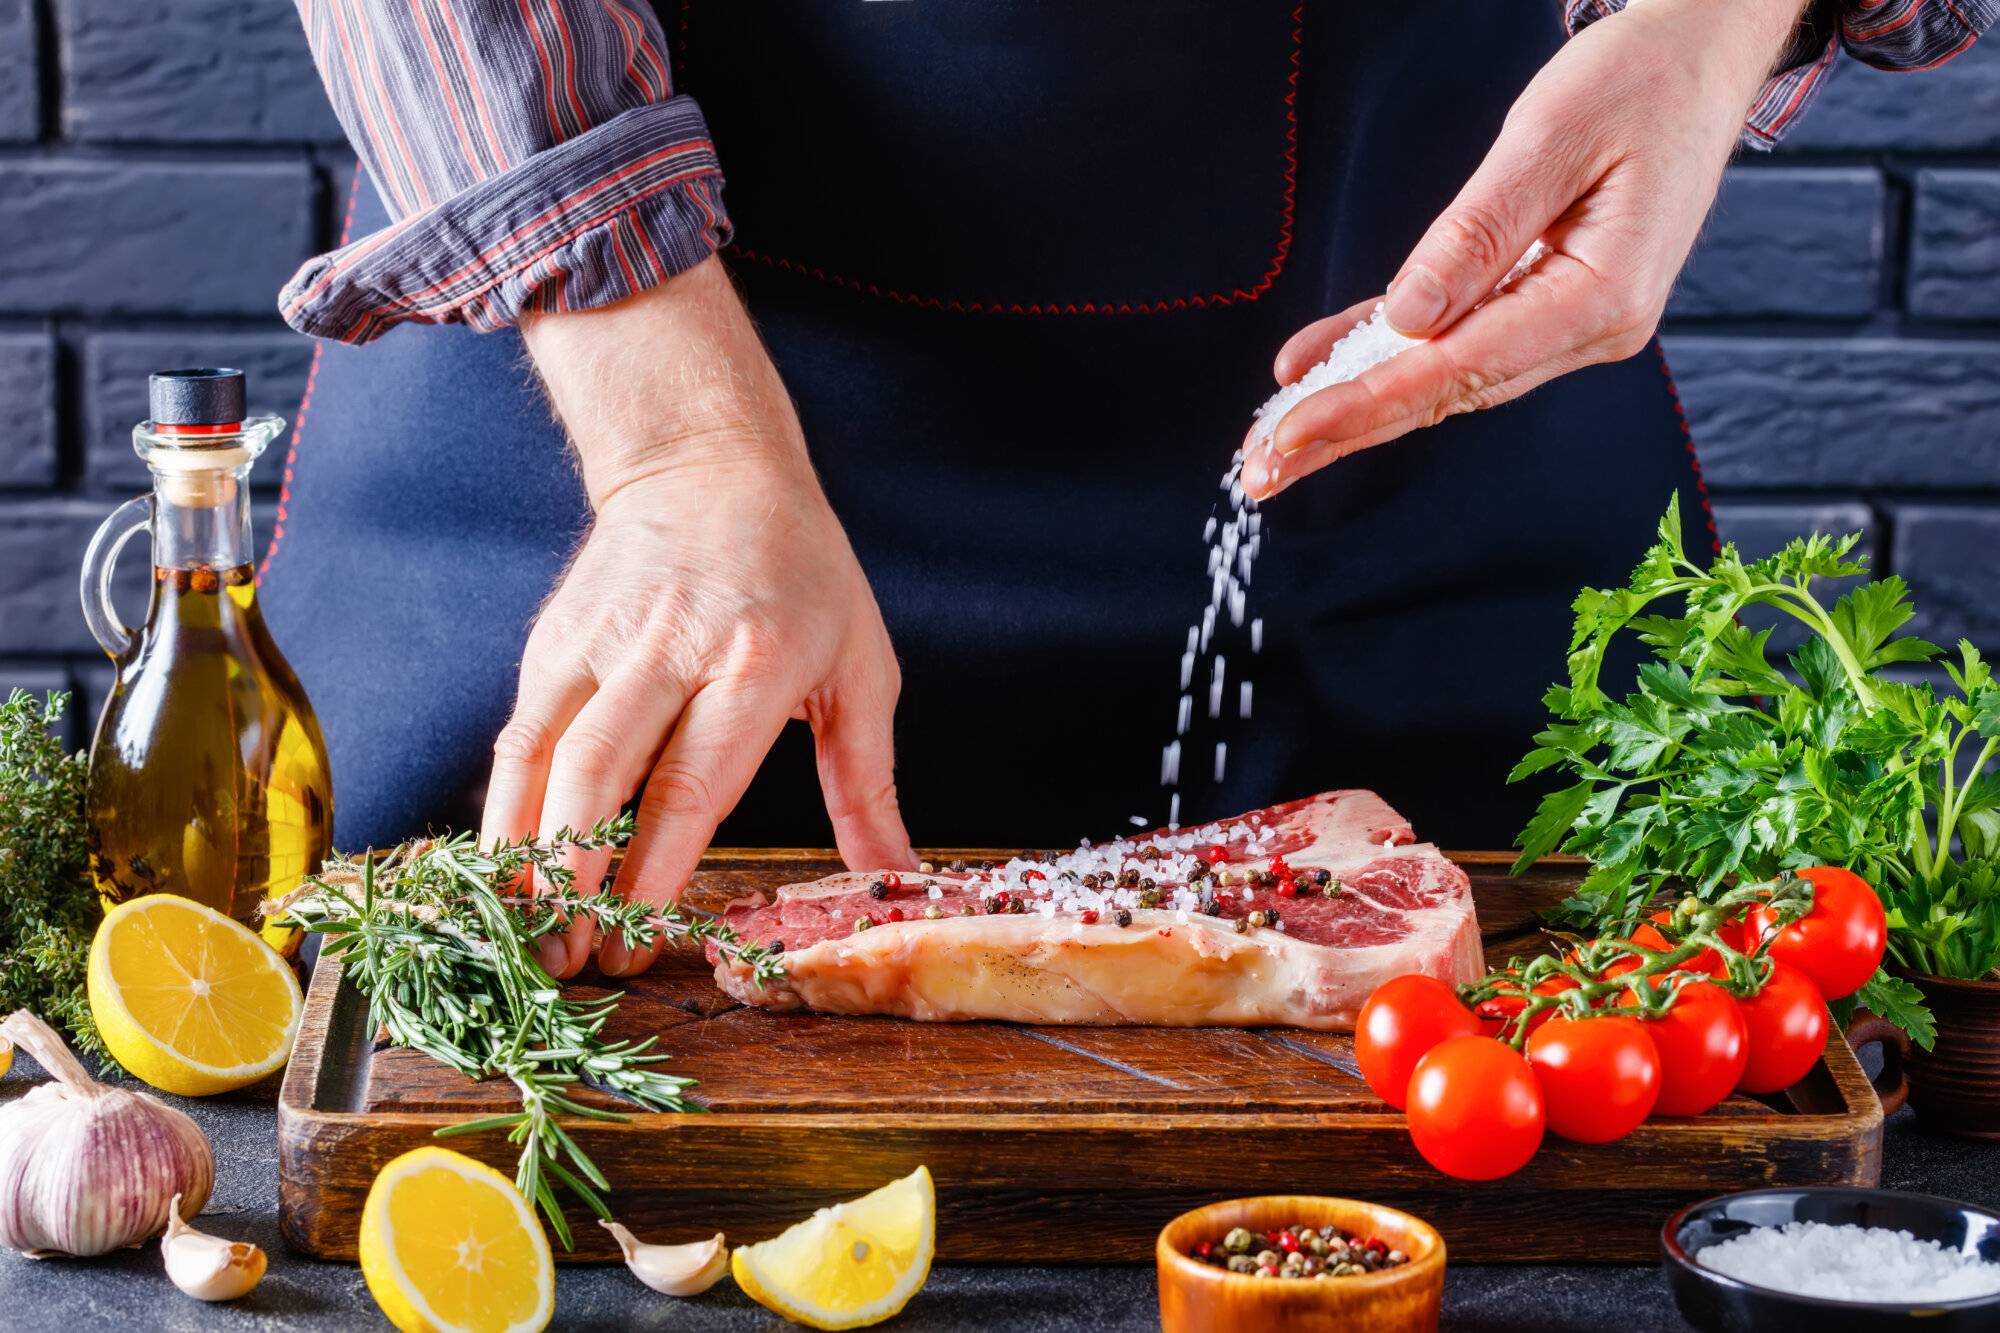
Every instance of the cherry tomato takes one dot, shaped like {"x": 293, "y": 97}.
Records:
{"x": 1787, "y": 1023}
{"x": 1703, "y": 1047}
{"x": 1494, "y": 1014}
{"x": 1404, "y": 1018}
{"x": 1599, "y": 1076}
{"x": 1708, "y": 960}
{"x": 1839, "y": 942}
{"x": 1475, "y": 1108}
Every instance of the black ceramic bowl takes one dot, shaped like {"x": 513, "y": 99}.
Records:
{"x": 1718, "y": 1304}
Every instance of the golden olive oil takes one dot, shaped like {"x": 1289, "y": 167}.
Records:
{"x": 208, "y": 777}
{"x": 208, "y": 774}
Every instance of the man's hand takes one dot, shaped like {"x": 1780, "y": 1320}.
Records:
{"x": 1612, "y": 155}
{"x": 714, "y": 598}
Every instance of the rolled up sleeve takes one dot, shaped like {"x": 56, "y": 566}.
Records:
{"x": 1899, "y": 35}
{"x": 532, "y": 153}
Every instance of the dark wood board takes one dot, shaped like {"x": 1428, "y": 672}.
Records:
{"x": 1048, "y": 1144}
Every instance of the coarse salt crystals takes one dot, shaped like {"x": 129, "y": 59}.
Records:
{"x": 1851, "y": 1263}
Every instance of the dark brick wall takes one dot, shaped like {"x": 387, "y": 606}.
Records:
{"x": 164, "y": 166}
{"x": 1837, "y": 335}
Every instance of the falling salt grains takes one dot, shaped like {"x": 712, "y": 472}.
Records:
{"x": 1174, "y": 811}
{"x": 1234, "y": 539}
{"x": 1221, "y": 759}
{"x": 1215, "y": 675}
{"x": 1186, "y": 714}
{"x": 1170, "y": 764}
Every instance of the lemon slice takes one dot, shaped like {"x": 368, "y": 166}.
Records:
{"x": 6, "y": 1056}
{"x": 448, "y": 1245}
{"x": 853, "y": 1264}
{"x": 189, "y": 1000}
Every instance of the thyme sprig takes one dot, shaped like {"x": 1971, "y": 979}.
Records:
{"x": 1598, "y": 976}
{"x": 440, "y": 936}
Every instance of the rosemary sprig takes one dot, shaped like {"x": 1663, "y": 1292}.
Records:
{"x": 440, "y": 936}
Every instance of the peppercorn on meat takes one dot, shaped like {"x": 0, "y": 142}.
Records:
{"x": 1287, "y": 916}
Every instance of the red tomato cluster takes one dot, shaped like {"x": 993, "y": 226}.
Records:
{"x": 1477, "y": 1108}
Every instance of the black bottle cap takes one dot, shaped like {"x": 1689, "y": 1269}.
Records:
{"x": 205, "y": 396}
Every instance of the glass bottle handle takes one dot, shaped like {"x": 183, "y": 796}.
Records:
{"x": 126, "y": 522}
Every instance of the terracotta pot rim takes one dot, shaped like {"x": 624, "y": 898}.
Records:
{"x": 1973, "y": 986}
{"x": 1420, "y": 1267}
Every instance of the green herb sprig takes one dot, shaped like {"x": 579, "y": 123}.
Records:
{"x": 48, "y": 901}
{"x": 440, "y": 937}
{"x": 1722, "y": 765}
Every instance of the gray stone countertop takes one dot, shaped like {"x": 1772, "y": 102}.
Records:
{"x": 129, "y": 1291}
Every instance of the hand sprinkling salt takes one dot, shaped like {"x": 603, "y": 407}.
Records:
{"x": 1232, "y": 543}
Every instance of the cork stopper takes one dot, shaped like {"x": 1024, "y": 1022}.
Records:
{"x": 199, "y": 478}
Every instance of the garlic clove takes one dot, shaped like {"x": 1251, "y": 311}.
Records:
{"x": 673, "y": 1270}
{"x": 207, "y": 1267}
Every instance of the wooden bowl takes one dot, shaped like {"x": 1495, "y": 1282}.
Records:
{"x": 1196, "y": 1297}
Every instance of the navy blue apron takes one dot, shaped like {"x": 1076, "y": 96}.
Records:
{"x": 1024, "y": 267}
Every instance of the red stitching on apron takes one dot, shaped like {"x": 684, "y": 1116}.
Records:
{"x": 305, "y": 403}
{"x": 1687, "y": 435}
{"x": 1280, "y": 252}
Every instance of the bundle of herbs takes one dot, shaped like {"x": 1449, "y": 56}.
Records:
{"x": 48, "y": 902}
{"x": 440, "y": 936}
{"x": 1724, "y": 766}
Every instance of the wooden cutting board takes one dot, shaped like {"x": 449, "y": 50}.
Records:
{"x": 1047, "y": 1144}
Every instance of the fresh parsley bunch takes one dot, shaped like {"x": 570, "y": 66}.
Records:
{"x": 1723, "y": 765}
{"x": 48, "y": 903}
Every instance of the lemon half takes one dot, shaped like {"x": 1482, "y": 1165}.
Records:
{"x": 853, "y": 1264}
{"x": 448, "y": 1245}
{"x": 189, "y": 1000}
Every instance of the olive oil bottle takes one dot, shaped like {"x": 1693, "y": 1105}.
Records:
{"x": 208, "y": 775}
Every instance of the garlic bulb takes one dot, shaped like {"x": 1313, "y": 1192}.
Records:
{"x": 84, "y": 1167}
{"x": 673, "y": 1270}
{"x": 207, "y": 1267}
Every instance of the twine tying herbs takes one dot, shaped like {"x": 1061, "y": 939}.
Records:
{"x": 440, "y": 937}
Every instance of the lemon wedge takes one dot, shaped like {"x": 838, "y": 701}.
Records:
{"x": 6, "y": 1056}
{"x": 448, "y": 1245}
{"x": 850, "y": 1265}
{"x": 189, "y": 1000}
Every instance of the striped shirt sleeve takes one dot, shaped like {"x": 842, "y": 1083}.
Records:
{"x": 1901, "y": 35}
{"x": 533, "y": 154}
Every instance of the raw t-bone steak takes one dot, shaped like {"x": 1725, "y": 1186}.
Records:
{"x": 1291, "y": 915}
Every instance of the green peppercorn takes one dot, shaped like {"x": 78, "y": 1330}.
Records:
{"x": 1238, "y": 1240}
{"x": 1269, "y": 1258}
{"x": 1242, "y": 1263}
{"x": 1258, "y": 919}
{"x": 933, "y": 912}
{"x": 1150, "y": 898}
{"x": 861, "y": 923}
